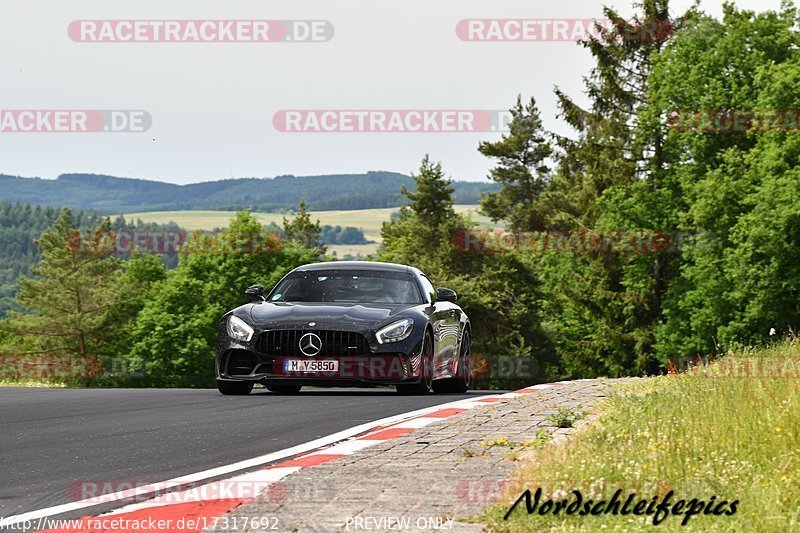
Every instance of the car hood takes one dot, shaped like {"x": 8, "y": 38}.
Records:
{"x": 300, "y": 315}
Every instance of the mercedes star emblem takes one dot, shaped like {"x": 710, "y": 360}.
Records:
{"x": 310, "y": 344}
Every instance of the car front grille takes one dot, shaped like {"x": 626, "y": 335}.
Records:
{"x": 287, "y": 343}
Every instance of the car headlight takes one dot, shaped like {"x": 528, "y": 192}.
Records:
{"x": 238, "y": 329}
{"x": 396, "y": 331}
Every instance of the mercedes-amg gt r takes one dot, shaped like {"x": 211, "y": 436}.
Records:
{"x": 346, "y": 323}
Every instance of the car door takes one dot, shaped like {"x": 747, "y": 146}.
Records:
{"x": 451, "y": 336}
{"x": 445, "y": 323}
{"x": 455, "y": 324}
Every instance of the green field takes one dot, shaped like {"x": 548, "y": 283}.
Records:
{"x": 368, "y": 220}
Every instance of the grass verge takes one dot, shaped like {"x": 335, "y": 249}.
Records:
{"x": 47, "y": 384}
{"x": 729, "y": 429}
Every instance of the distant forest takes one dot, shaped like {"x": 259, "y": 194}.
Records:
{"x": 111, "y": 195}
{"x": 21, "y": 224}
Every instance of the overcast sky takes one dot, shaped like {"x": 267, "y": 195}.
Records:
{"x": 212, "y": 104}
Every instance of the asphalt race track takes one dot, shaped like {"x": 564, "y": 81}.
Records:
{"x": 52, "y": 440}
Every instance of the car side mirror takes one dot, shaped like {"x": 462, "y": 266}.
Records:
{"x": 255, "y": 291}
{"x": 446, "y": 295}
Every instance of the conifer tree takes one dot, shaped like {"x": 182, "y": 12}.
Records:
{"x": 300, "y": 229}
{"x": 522, "y": 169}
{"x": 71, "y": 291}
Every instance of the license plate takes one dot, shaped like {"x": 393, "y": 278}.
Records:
{"x": 299, "y": 365}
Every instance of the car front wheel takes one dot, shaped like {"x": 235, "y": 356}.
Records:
{"x": 426, "y": 379}
{"x": 463, "y": 380}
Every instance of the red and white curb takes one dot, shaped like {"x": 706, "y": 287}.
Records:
{"x": 194, "y": 508}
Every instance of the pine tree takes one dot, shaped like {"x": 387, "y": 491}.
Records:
{"x": 496, "y": 290}
{"x": 609, "y": 179}
{"x": 422, "y": 231}
{"x": 522, "y": 169}
{"x": 71, "y": 293}
{"x": 300, "y": 229}
{"x": 432, "y": 200}
{"x": 612, "y": 148}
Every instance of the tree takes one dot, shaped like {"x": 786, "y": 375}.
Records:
{"x": 139, "y": 274}
{"x": 497, "y": 292}
{"x": 522, "y": 170}
{"x": 173, "y": 340}
{"x": 738, "y": 273}
{"x": 301, "y": 230}
{"x": 432, "y": 199}
{"x": 72, "y": 293}
{"x": 602, "y": 315}
{"x": 422, "y": 232}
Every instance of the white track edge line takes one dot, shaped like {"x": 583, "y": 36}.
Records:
{"x": 254, "y": 462}
{"x": 227, "y": 469}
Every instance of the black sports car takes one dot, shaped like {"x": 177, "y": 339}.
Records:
{"x": 346, "y": 323}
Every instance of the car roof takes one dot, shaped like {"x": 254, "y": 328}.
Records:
{"x": 356, "y": 265}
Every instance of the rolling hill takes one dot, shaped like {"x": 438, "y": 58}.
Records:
{"x": 109, "y": 194}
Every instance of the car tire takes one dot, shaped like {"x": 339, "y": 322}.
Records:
{"x": 234, "y": 388}
{"x": 463, "y": 380}
{"x": 426, "y": 383}
{"x": 284, "y": 388}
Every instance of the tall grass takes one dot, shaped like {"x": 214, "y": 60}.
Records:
{"x": 730, "y": 429}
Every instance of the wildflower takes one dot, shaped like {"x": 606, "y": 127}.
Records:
{"x": 771, "y": 332}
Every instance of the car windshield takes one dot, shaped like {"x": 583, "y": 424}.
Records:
{"x": 348, "y": 286}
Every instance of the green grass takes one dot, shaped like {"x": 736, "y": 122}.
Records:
{"x": 731, "y": 430}
{"x": 36, "y": 383}
{"x": 565, "y": 417}
{"x": 368, "y": 220}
